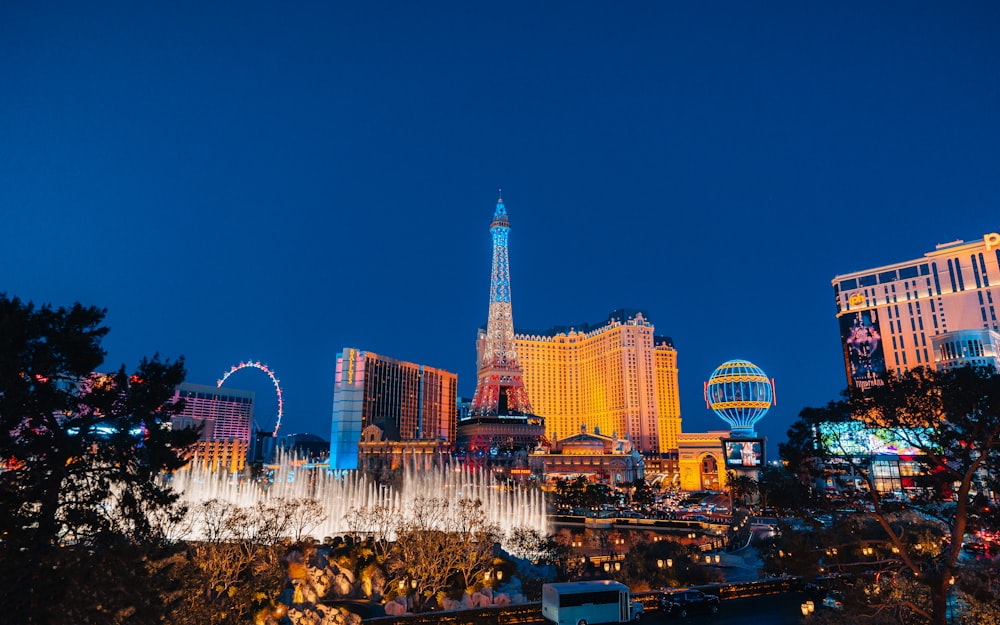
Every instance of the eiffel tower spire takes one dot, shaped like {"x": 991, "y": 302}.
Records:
{"x": 500, "y": 388}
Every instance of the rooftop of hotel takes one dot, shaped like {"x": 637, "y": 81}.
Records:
{"x": 621, "y": 316}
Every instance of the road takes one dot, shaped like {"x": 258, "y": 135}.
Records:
{"x": 767, "y": 610}
{"x": 783, "y": 609}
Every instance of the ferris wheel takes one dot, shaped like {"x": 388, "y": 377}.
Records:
{"x": 251, "y": 364}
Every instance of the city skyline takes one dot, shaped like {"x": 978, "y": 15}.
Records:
{"x": 276, "y": 183}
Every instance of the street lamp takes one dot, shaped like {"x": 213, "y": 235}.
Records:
{"x": 949, "y": 607}
{"x": 659, "y": 564}
{"x": 670, "y": 563}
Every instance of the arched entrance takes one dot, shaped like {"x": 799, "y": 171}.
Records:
{"x": 709, "y": 473}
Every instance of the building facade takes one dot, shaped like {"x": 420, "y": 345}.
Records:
{"x": 503, "y": 433}
{"x": 890, "y": 315}
{"x": 700, "y": 460}
{"x": 380, "y": 457}
{"x": 979, "y": 348}
{"x": 226, "y": 418}
{"x": 600, "y": 458}
{"x": 617, "y": 376}
{"x": 407, "y": 401}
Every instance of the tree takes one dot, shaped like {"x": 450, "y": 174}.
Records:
{"x": 741, "y": 488}
{"x": 580, "y": 493}
{"x": 951, "y": 422}
{"x": 780, "y": 489}
{"x": 436, "y": 550}
{"x": 643, "y": 495}
{"x": 84, "y": 453}
{"x": 662, "y": 564}
{"x": 525, "y": 543}
{"x": 377, "y": 521}
{"x": 236, "y": 569}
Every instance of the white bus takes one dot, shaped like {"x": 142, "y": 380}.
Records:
{"x": 587, "y": 603}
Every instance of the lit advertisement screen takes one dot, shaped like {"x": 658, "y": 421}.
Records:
{"x": 854, "y": 439}
{"x": 743, "y": 453}
{"x": 863, "y": 353}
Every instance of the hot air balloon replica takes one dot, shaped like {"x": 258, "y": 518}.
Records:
{"x": 740, "y": 393}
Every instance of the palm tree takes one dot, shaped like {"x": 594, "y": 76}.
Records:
{"x": 741, "y": 487}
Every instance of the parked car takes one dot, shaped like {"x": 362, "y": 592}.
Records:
{"x": 681, "y": 603}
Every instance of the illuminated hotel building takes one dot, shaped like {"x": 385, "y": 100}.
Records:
{"x": 938, "y": 310}
{"x": 406, "y": 401}
{"x": 616, "y": 376}
{"x": 226, "y": 418}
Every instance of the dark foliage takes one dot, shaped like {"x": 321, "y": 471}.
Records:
{"x": 951, "y": 421}
{"x": 81, "y": 505}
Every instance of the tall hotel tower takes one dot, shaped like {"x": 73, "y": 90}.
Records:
{"x": 616, "y": 376}
{"x": 938, "y": 311}
{"x": 405, "y": 400}
{"x": 226, "y": 418}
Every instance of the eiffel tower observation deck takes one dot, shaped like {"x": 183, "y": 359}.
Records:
{"x": 500, "y": 414}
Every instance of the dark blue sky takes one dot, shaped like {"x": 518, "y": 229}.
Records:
{"x": 259, "y": 180}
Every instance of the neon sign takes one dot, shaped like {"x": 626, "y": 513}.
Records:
{"x": 992, "y": 240}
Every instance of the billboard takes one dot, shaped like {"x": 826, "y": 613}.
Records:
{"x": 863, "y": 353}
{"x": 743, "y": 453}
{"x": 854, "y": 438}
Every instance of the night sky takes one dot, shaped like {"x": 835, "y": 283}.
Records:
{"x": 276, "y": 181}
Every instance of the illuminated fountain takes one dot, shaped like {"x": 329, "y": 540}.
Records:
{"x": 343, "y": 491}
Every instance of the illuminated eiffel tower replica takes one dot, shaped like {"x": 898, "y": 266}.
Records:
{"x": 500, "y": 418}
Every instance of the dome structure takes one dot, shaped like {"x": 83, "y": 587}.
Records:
{"x": 740, "y": 393}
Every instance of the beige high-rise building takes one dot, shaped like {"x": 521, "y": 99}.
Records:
{"x": 617, "y": 377}
{"x": 939, "y": 310}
